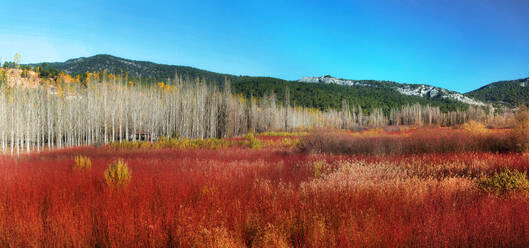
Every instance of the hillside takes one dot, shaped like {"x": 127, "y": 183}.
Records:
{"x": 323, "y": 96}
{"x": 134, "y": 68}
{"x": 509, "y": 93}
{"x": 421, "y": 90}
{"x": 318, "y": 92}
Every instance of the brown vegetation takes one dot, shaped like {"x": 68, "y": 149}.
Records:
{"x": 520, "y": 130}
{"x": 424, "y": 140}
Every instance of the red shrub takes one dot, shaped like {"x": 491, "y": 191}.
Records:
{"x": 240, "y": 197}
{"x": 419, "y": 141}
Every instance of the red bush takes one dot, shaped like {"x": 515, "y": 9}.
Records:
{"x": 417, "y": 142}
{"x": 240, "y": 197}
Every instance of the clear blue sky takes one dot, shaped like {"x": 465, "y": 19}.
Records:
{"x": 459, "y": 45}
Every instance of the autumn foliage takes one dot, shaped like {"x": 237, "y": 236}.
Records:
{"x": 475, "y": 128}
{"x": 82, "y": 163}
{"x": 505, "y": 182}
{"x": 420, "y": 141}
{"x": 272, "y": 196}
{"x": 118, "y": 174}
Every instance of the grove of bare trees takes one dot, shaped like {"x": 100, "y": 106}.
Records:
{"x": 109, "y": 109}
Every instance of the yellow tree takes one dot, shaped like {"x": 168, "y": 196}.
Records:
{"x": 17, "y": 60}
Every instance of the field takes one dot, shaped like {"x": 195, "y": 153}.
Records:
{"x": 272, "y": 190}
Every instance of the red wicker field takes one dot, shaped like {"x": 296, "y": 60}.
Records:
{"x": 275, "y": 196}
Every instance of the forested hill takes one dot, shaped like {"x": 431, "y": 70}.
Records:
{"x": 323, "y": 96}
{"x": 144, "y": 69}
{"x": 320, "y": 94}
{"x": 511, "y": 93}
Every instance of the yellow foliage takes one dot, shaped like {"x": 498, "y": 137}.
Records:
{"x": 3, "y": 75}
{"x": 475, "y": 128}
{"x": 249, "y": 141}
{"x": 241, "y": 98}
{"x": 504, "y": 182}
{"x": 82, "y": 163}
{"x": 287, "y": 143}
{"x": 284, "y": 134}
{"x": 372, "y": 132}
{"x": 66, "y": 78}
{"x": 17, "y": 59}
{"x": 177, "y": 143}
{"x": 253, "y": 143}
{"x": 318, "y": 167}
{"x": 61, "y": 92}
{"x": 118, "y": 174}
{"x": 89, "y": 76}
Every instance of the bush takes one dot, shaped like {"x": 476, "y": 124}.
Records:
{"x": 118, "y": 174}
{"x": 82, "y": 163}
{"x": 290, "y": 143}
{"x": 520, "y": 131}
{"x": 505, "y": 182}
{"x": 254, "y": 143}
{"x": 3, "y": 77}
{"x": 422, "y": 141}
{"x": 475, "y": 128}
{"x": 317, "y": 168}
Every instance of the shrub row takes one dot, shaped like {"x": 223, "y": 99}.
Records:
{"x": 419, "y": 142}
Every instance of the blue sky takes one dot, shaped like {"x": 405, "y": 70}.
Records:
{"x": 460, "y": 45}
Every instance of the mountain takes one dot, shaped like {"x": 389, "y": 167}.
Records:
{"x": 420, "y": 90}
{"x": 134, "y": 68}
{"x": 323, "y": 96}
{"x": 510, "y": 93}
{"x": 318, "y": 92}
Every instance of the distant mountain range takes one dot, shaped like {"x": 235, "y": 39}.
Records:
{"x": 420, "y": 90}
{"x": 508, "y": 93}
{"x": 319, "y": 92}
